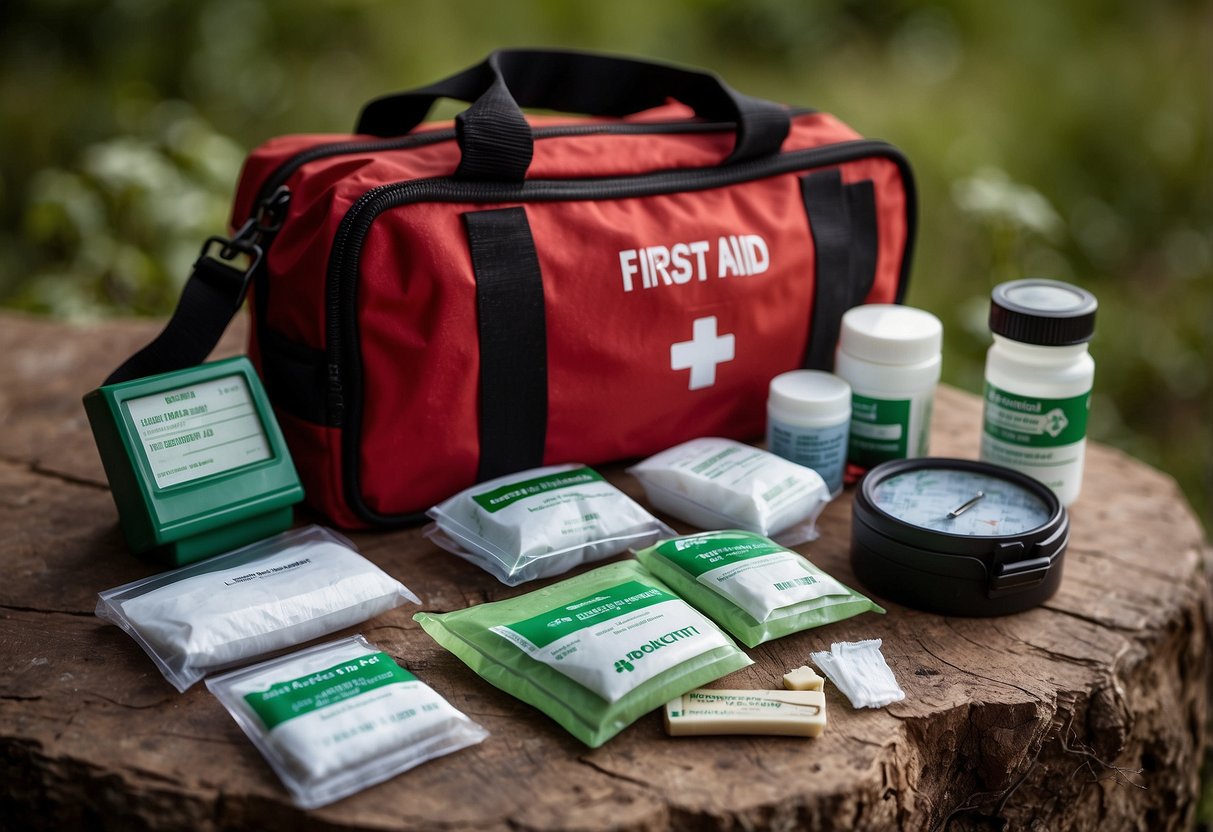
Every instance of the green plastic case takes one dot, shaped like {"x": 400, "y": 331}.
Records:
{"x": 222, "y": 492}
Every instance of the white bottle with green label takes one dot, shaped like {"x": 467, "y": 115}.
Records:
{"x": 1038, "y": 381}
{"x": 890, "y": 355}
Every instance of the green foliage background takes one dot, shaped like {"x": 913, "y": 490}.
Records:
{"x": 1070, "y": 140}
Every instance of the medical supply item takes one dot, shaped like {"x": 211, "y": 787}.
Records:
{"x": 195, "y": 460}
{"x": 542, "y": 522}
{"x": 958, "y": 537}
{"x": 280, "y": 592}
{"x": 716, "y": 483}
{"x": 787, "y": 713}
{"x": 750, "y": 585}
{"x": 890, "y": 355}
{"x": 594, "y": 652}
{"x": 339, "y": 717}
{"x": 859, "y": 670}
{"x": 1038, "y": 381}
{"x": 803, "y": 678}
{"x": 808, "y": 421}
{"x": 440, "y": 304}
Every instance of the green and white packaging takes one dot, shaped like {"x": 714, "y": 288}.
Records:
{"x": 594, "y": 652}
{"x": 336, "y": 718}
{"x": 541, "y": 522}
{"x": 752, "y": 586}
{"x": 716, "y": 483}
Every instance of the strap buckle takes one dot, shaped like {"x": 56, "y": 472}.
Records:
{"x": 246, "y": 242}
{"x": 229, "y": 250}
{"x": 271, "y": 211}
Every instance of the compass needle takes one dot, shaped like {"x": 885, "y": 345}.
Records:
{"x": 965, "y": 506}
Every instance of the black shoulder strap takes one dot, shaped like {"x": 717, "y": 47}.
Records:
{"x": 212, "y": 296}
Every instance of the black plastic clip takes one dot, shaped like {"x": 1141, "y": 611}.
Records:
{"x": 271, "y": 211}
{"x": 247, "y": 242}
{"x": 229, "y": 250}
{"x": 1012, "y": 572}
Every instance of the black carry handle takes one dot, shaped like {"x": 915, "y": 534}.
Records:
{"x": 494, "y": 137}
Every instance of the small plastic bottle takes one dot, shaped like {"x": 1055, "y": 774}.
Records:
{"x": 1038, "y": 381}
{"x": 890, "y": 355}
{"x": 808, "y": 416}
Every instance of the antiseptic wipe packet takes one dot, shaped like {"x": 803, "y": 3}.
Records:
{"x": 752, "y": 586}
{"x": 272, "y": 594}
{"x": 716, "y": 483}
{"x": 541, "y": 522}
{"x": 338, "y": 717}
{"x": 594, "y": 652}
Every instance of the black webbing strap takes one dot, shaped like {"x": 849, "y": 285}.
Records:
{"x": 495, "y": 139}
{"x": 831, "y": 230}
{"x": 861, "y": 208}
{"x": 211, "y": 298}
{"x": 513, "y": 341}
{"x": 842, "y": 220}
{"x": 295, "y": 375}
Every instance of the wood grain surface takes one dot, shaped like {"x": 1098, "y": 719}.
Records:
{"x": 1086, "y": 713}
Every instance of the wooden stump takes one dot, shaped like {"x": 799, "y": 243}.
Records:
{"x": 1086, "y": 713}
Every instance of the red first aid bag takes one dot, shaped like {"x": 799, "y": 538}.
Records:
{"x": 436, "y": 304}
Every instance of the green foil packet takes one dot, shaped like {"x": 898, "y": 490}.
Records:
{"x": 752, "y": 586}
{"x": 594, "y": 652}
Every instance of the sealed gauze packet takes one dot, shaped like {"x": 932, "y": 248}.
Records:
{"x": 338, "y": 717}
{"x": 752, "y": 586}
{"x": 247, "y": 603}
{"x": 594, "y": 652}
{"x": 541, "y": 522}
{"x": 715, "y": 483}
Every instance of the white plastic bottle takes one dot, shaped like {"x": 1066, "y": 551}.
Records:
{"x": 808, "y": 420}
{"x": 890, "y": 355}
{"x": 1038, "y": 381}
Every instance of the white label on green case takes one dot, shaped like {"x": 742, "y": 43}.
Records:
{"x": 199, "y": 430}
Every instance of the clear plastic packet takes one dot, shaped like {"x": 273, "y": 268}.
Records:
{"x": 247, "y": 603}
{"x": 541, "y": 522}
{"x": 594, "y": 652}
{"x": 752, "y": 586}
{"x": 336, "y": 718}
{"x": 859, "y": 670}
{"x": 716, "y": 483}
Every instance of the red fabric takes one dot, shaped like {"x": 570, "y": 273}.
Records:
{"x": 611, "y": 390}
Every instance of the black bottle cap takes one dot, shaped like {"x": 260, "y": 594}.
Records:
{"x": 1045, "y": 312}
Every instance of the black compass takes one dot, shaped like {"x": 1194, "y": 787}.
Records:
{"x": 958, "y": 537}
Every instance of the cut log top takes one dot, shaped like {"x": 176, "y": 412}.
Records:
{"x": 1085, "y": 713}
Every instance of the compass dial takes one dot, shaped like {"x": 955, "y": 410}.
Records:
{"x": 960, "y": 502}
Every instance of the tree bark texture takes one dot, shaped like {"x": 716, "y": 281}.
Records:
{"x": 1087, "y": 713}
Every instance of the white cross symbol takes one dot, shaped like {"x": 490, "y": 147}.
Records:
{"x": 702, "y": 353}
